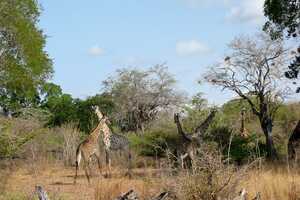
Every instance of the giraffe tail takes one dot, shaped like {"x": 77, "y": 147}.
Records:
{"x": 78, "y": 157}
{"x": 77, "y": 162}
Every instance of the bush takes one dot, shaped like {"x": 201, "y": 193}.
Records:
{"x": 156, "y": 140}
{"x": 15, "y": 133}
{"x": 71, "y": 136}
{"x": 57, "y": 143}
{"x": 211, "y": 178}
{"x": 241, "y": 148}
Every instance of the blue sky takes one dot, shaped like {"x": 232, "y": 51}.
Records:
{"x": 89, "y": 40}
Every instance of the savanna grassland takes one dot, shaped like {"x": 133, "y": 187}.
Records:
{"x": 47, "y": 159}
{"x": 245, "y": 148}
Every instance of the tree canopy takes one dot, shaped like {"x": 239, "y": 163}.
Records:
{"x": 139, "y": 95}
{"x": 24, "y": 65}
{"x": 284, "y": 19}
{"x": 284, "y": 16}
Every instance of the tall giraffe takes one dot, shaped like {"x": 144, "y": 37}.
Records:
{"x": 88, "y": 148}
{"x": 243, "y": 130}
{"x": 191, "y": 142}
{"x": 114, "y": 142}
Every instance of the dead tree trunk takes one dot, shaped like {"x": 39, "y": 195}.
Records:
{"x": 267, "y": 126}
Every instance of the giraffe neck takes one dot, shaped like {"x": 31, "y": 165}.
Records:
{"x": 96, "y": 132}
{"x": 202, "y": 128}
{"x": 106, "y": 130}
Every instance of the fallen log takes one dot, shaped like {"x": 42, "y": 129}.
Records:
{"x": 130, "y": 195}
{"x": 161, "y": 196}
{"x": 41, "y": 193}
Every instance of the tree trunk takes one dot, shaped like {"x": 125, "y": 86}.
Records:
{"x": 267, "y": 125}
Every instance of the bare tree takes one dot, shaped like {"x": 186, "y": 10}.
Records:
{"x": 254, "y": 71}
{"x": 139, "y": 95}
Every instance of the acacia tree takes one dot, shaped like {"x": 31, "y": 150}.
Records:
{"x": 253, "y": 70}
{"x": 139, "y": 95}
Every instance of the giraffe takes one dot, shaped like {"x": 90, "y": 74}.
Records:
{"x": 243, "y": 131}
{"x": 191, "y": 142}
{"x": 114, "y": 142}
{"x": 88, "y": 148}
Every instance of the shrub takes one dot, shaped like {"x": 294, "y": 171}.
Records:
{"x": 58, "y": 143}
{"x": 211, "y": 178}
{"x": 15, "y": 133}
{"x": 153, "y": 143}
{"x": 71, "y": 136}
{"x": 161, "y": 136}
{"x": 240, "y": 148}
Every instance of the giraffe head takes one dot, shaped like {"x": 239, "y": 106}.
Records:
{"x": 97, "y": 112}
{"x": 104, "y": 119}
{"x": 100, "y": 115}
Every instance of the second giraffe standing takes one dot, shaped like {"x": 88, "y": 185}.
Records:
{"x": 114, "y": 142}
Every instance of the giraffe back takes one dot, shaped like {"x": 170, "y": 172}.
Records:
{"x": 90, "y": 145}
{"x": 116, "y": 142}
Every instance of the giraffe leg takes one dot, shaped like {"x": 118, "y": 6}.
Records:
{"x": 78, "y": 159}
{"x": 192, "y": 157}
{"x": 109, "y": 166}
{"x": 99, "y": 164}
{"x": 108, "y": 163}
{"x": 89, "y": 166}
{"x": 183, "y": 160}
{"x": 85, "y": 162}
{"x": 129, "y": 173}
{"x": 76, "y": 173}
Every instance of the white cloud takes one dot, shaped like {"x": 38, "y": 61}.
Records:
{"x": 247, "y": 11}
{"x": 191, "y": 47}
{"x": 96, "y": 51}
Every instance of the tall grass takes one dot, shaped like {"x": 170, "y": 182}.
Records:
{"x": 276, "y": 183}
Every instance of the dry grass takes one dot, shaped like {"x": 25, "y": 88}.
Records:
{"x": 50, "y": 154}
{"x": 58, "y": 181}
{"x": 278, "y": 183}
{"x": 273, "y": 183}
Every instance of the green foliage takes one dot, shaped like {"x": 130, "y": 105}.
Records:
{"x": 239, "y": 148}
{"x": 198, "y": 102}
{"x": 196, "y": 112}
{"x": 156, "y": 141}
{"x": 13, "y": 196}
{"x": 283, "y": 15}
{"x": 86, "y": 116}
{"x": 66, "y": 110}
{"x": 24, "y": 65}
{"x": 63, "y": 109}
{"x": 41, "y": 115}
{"x": 15, "y": 134}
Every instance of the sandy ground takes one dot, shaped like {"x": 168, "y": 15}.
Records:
{"x": 58, "y": 182}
